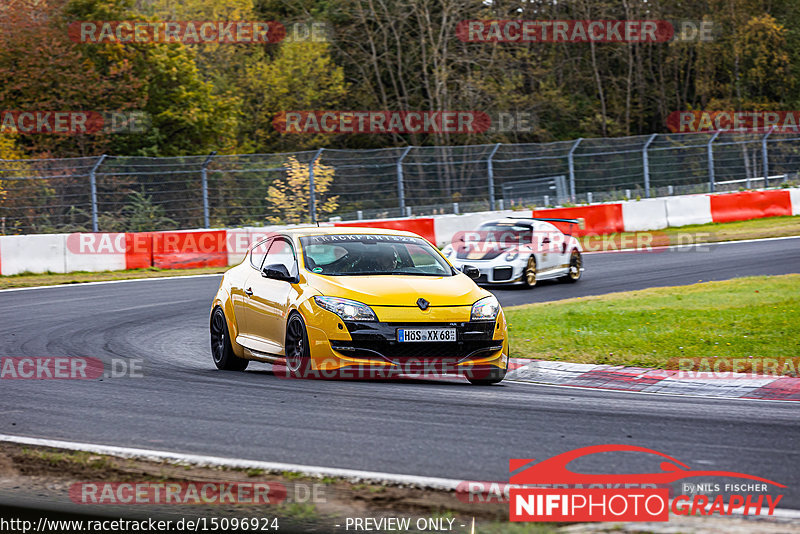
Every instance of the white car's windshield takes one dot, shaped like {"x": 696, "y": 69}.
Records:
{"x": 354, "y": 254}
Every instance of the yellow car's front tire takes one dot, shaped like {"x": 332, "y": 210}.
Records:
{"x": 298, "y": 353}
{"x": 221, "y": 348}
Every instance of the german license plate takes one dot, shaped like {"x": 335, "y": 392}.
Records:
{"x": 417, "y": 335}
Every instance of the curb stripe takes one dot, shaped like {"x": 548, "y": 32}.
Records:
{"x": 645, "y": 380}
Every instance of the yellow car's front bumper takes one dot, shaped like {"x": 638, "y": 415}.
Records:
{"x": 371, "y": 349}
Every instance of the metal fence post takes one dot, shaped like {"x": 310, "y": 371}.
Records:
{"x": 491, "y": 176}
{"x": 765, "y": 156}
{"x": 711, "y": 184}
{"x": 401, "y": 191}
{"x": 571, "y": 163}
{"x": 93, "y": 185}
{"x": 312, "y": 192}
{"x": 646, "y": 165}
{"x": 204, "y": 176}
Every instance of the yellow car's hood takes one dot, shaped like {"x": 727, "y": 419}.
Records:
{"x": 398, "y": 290}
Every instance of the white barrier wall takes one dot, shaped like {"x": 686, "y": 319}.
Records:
{"x": 446, "y": 226}
{"x": 33, "y": 253}
{"x": 643, "y": 215}
{"x": 95, "y": 252}
{"x": 60, "y": 253}
{"x": 690, "y": 209}
{"x": 794, "y": 194}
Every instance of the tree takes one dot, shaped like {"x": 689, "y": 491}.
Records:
{"x": 301, "y": 77}
{"x": 288, "y": 197}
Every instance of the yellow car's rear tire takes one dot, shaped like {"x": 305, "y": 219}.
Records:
{"x": 298, "y": 353}
{"x": 221, "y": 349}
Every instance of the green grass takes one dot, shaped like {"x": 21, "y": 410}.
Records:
{"x": 755, "y": 317}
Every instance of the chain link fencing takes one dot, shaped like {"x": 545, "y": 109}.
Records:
{"x": 125, "y": 193}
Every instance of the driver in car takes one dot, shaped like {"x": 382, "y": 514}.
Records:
{"x": 385, "y": 259}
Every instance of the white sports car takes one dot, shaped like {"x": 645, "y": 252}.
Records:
{"x": 518, "y": 251}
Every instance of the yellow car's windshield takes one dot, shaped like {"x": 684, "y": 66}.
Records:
{"x": 368, "y": 254}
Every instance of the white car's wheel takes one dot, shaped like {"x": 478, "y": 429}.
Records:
{"x": 529, "y": 275}
{"x": 575, "y": 267}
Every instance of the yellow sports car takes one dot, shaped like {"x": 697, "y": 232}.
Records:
{"x": 356, "y": 303}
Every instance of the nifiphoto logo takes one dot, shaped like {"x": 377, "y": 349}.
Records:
{"x": 587, "y": 499}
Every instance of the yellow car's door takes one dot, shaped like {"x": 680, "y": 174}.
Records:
{"x": 240, "y": 294}
{"x": 270, "y": 296}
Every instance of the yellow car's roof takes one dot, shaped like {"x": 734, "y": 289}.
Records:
{"x": 343, "y": 230}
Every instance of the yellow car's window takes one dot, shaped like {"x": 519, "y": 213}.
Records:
{"x": 355, "y": 255}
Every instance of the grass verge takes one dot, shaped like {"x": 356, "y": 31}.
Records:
{"x": 756, "y": 317}
{"x": 51, "y": 279}
{"x": 45, "y": 475}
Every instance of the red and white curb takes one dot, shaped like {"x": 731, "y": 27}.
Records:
{"x": 644, "y": 380}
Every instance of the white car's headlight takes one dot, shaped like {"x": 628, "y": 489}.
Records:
{"x": 511, "y": 256}
{"x": 485, "y": 309}
{"x": 349, "y": 310}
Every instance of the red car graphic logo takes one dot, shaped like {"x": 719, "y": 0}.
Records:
{"x": 554, "y": 470}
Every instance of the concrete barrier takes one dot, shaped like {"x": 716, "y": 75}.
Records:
{"x": 598, "y": 218}
{"x": 138, "y": 250}
{"x": 644, "y": 215}
{"x": 690, "y": 209}
{"x": 190, "y": 250}
{"x": 422, "y": 226}
{"x": 33, "y": 253}
{"x": 219, "y": 248}
{"x": 746, "y": 205}
{"x": 446, "y": 226}
{"x": 95, "y": 252}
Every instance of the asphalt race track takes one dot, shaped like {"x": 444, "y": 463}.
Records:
{"x": 439, "y": 429}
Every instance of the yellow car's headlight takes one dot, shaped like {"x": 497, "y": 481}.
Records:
{"x": 485, "y": 309}
{"x": 349, "y": 310}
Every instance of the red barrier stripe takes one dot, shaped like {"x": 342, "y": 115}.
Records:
{"x": 750, "y": 205}
{"x": 422, "y": 227}
{"x": 599, "y": 219}
{"x": 190, "y": 250}
{"x": 138, "y": 250}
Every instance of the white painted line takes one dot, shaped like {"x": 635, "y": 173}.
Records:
{"x": 692, "y": 245}
{"x": 216, "y": 461}
{"x": 78, "y": 284}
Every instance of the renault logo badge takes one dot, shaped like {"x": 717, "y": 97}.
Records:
{"x": 423, "y": 304}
